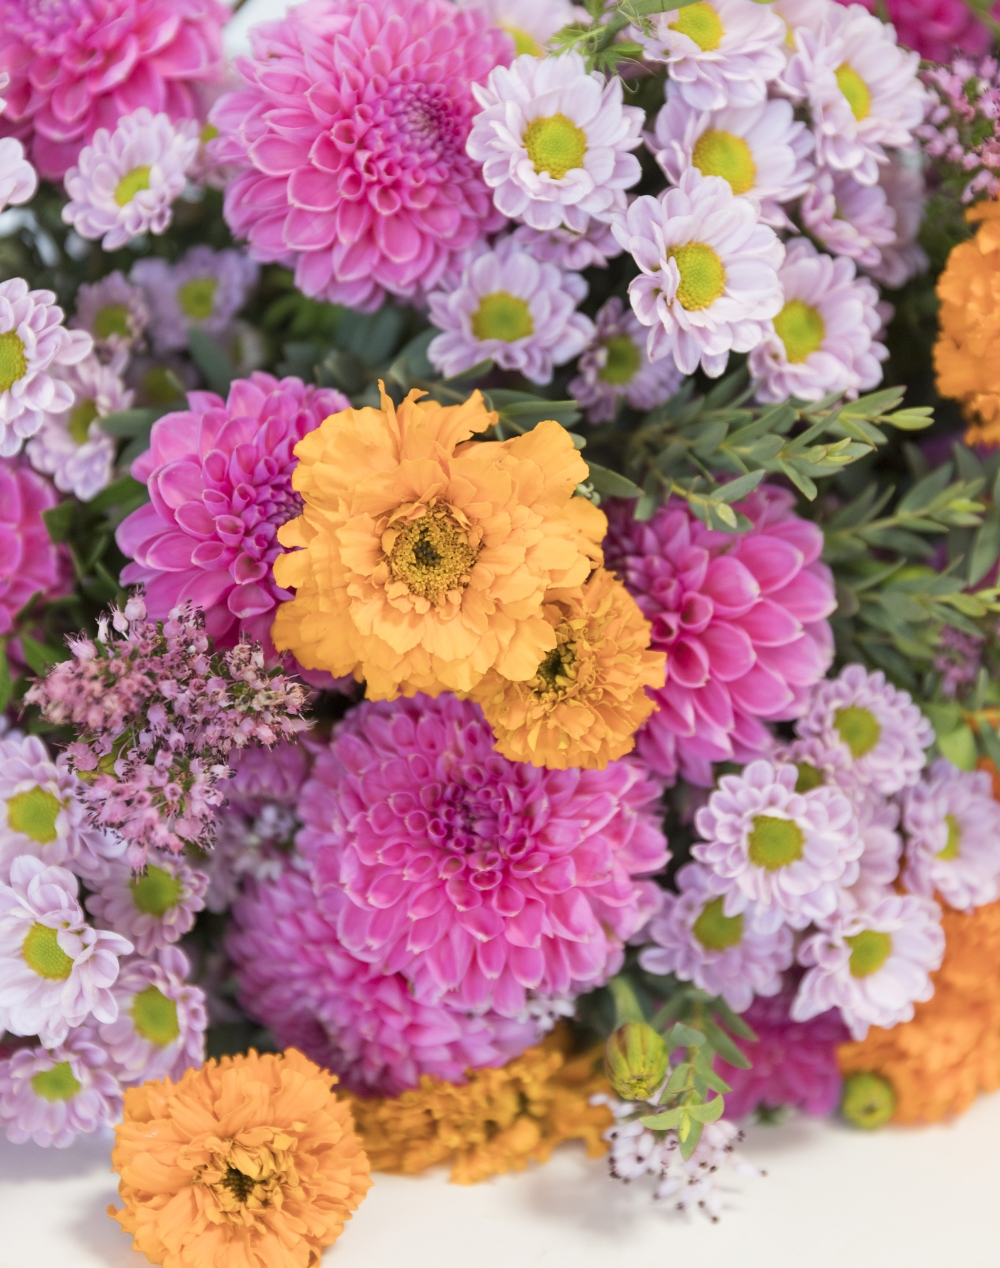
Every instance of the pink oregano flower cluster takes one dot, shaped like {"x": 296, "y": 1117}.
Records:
{"x": 961, "y": 125}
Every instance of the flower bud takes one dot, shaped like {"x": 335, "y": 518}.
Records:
{"x": 869, "y": 1100}
{"x": 635, "y": 1061}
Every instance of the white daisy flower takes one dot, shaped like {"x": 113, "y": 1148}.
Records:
{"x": 50, "y": 1095}
{"x": 614, "y": 366}
{"x": 39, "y": 813}
{"x": 18, "y": 179}
{"x": 882, "y": 846}
{"x": 590, "y": 246}
{"x": 823, "y": 339}
{"x": 512, "y": 309}
{"x": 709, "y": 272}
{"x": 531, "y": 23}
{"x": 154, "y": 909}
{"x": 551, "y": 136}
{"x": 849, "y": 219}
{"x": 205, "y": 290}
{"x": 126, "y": 181}
{"x": 114, "y": 314}
{"x": 873, "y": 963}
{"x": 903, "y": 182}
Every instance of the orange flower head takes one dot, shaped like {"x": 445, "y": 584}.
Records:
{"x": 425, "y": 556}
{"x": 248, "y": 1162}
{"x": 587, "y": 698}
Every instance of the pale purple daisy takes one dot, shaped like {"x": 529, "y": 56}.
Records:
{"x": 160, "y": 1028}
{"x": 114, "y": 313}
{"x": 55, "y": 969}
{"x": 126, "y": 182}
{"x": 530, "y": 23}
{"x": 873, "y": 963}
{"x": 953, "y": 837}
{"x": 153, "y": 909}
{"x": 903, "y": 182}
{"x": 52, "y": 1095}
{"x": 512, "y": 309}
{"x": 33, "y": 342}
{"x": 880, "y": 732}
{"x": 615, "y": 366}
{"x": 39, "y": 813}
{"x": 205, "y": 290}
{"x": 788, "y": 851}
{"x": 736, "y": 956}
{"x": 709, "y": 272}
{"x": 824, "y": 336}
{"x": 591, "y": 245}
{"x": 848, "y": 218}
{"x": 18, "y": 179}
{"x": 882, "y": 846}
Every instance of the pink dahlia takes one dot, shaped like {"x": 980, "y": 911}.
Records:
{"x": 741, "y": 618}
{"x": 937, "y": 28}
{"x": 79, "y": 65}
{"x": 220, "y": 486}
{"x": 29, "y": 562}
{"x": 477, "y": 878}
{"x": 350, "y": 134}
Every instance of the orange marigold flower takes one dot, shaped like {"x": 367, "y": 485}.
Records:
{"x": 426, "y": 556}
{"x": 587, "y": 698}
{"x": 965, "y": 355}
{"x": 248, "y": 1162}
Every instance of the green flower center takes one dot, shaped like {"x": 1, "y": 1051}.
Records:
{"x": 155, "y": 1017}
{"x": 858, "y": 728}
{"x": 727, "y": 155}
{"x": 80, "y": 418}
{"x": 624, "y": 359}
{"x": 502, "y": 316}
{"x": 869, "y": 1100}
{"x": 208, "y": 133}
{"x": 161, "y": 386}
{"x": 34, "y": 814}
{"x": 57, "y": 1084}
{"x": 801, "y": 329}
{"x": 44, "y": 955}
{"x": 523, "y": 41}
{"x": 197, "y": 297}
{"x": 555, "y": 145}
{"x": 155, "y": 892}
{"x": 715, "y": 930}
{"x": 774, "y": 842}
{"x": 703, "y": 278}
{"x": 700, "y": 22}
{"x": 855, "y": 90}
{"x": 954, "y": 841}
{"x": 869, "y": 951}
{"x": 809, "y": 777}
{"x": 13, "y": 363}
{"x": 112, "y": 320}
{"x": 131, "y": 184}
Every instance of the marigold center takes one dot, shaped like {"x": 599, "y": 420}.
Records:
{"x": 858, "y": 728}
{"x": 855, "y": 90}
{"x": 869, "y": 951}
{"x": 703, "y": 277}
{"x": 156, "y": 891}
{"x": 715, "y": 930}
{"x": 80, "y": 418}
{"x": 131, "y": 184}
{"x": 44, "y": 955}
{"x": 555, "y": 145}
{"x": 13, "y": 362}
{"x": 774, "y": 842}
{"x": 112, "y": 319}
{"x": 432, "y": 555}
{"x": 57, "y": 1084}
{"x": 801, "y": 329}
{"x": 197, "y": 297}
{"x": 700, "y": 22}
{"x": 727, "y": 155}
{"x": 623, "y": 361}
{"x": 502, "y": 316}
{"x": 34, "y": 814}
{"x": 155, "y": 1017}
{"x": 954, "y": 842}
{"x": 557, "y": 672}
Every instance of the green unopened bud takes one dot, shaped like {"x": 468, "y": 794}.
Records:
{"x": 635, "y": 1061}
{"x": 869, "y": 1100}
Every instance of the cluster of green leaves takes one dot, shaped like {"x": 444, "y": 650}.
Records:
{"x": 601, "y": 42}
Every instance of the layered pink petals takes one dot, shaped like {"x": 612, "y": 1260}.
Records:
{"x": 29, "y": 562}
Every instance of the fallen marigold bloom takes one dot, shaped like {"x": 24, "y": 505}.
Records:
{"x": 248, "y": 1162}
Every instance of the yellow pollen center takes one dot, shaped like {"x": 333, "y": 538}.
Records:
{"x": 13, "y": 362}
{"x": 727, "y": 155}
{"x": 80, "y": 418}
{"x": 44, "y": 955}
{"x": 57, "y": 1084}
{"x": 555, "y": 145}
{"x": 557, "y": 673}
{"x": 131, "y": 184}
{"x": 855, "y": 90}
{"x": 700, "y": 22}
{"x": 432, "y": 556}
{"x": 197, "y": 297}
{"x": 34, "y": 814}
{"x": 715, "y": 930}
{"x": 111, "y": 320}
{"x": 858, "y": 728}
{"x": 774, "y": 843}
{"x": 155, "y": 1017}
{"x": 624, "y": 359}
{"x": 703, "y": 278}
{"x": 869, "y": 951}
{"x": 523, "y": 41}
{"x": 954, "y": 842}
{"x": 502, "y": 316}
{"x": 801, "y": 329}
{"x": 156, "y": 891}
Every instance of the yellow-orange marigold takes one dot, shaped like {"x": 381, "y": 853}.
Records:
{"x": 587, "y": 699}
{"x": 426, "y": 556}
{"x": 248, "y": 1162}
{"x": 966, "y": 356}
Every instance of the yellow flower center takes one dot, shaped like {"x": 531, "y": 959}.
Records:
{"x": 703, "y": 277}
{"x": 197, "y": 297}
{"x": 523, "y": 41}
{"x": 208, "y": 133}
{"x": 855, "y": 90}
{"x": 80, "y": 418}
{"x": 869, "y": 1100}
{"x": 13, "y": 362}
{"x": 800, "y": 328}
{"x": 432, "y": 555}
{"x": 715, "y": 930}
{"x": 858, "y": 728}
{"x": 57, "y": 1084}
{"x": 555, "y": 145}
{"x": 809, "y": 777}
{"x": 700, "y": 22}
{"x": 869, "y": 951}
{"x": 155, "y": 1017}
{"x": 502, "y": 316}
{"x": 131, "y": 184}
{"x": 727, "y": 155}
{"x": 34, "y": 814}
{"x": 155, "y": 892}
{"x": 44, "y": 955}
{"x": 111, "y": 320}
{"x": 624, "y": 359}
{"x": 954, "y": 842}
{"x": 774, "y": 842}
{"x": 557, "y": 673}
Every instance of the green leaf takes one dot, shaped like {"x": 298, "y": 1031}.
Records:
{"x": 526, "y": 411}
{"x": 911, "y": 419}
{"x": 738, "y": 489}
{"x": 123, "y": 492}
{"x": 59, "y": 520}
{"x": 40, "y": 656}
{"x": 708, "y": 1111}
{"x": 690, "y": 1141}
{"x": 627, "y": 1006}
{"x": 926, "y": 490}
{"x": 986, "y": 546}
{"x": 664, "y": 1121}
{"x": 681, "y": 1036}
{"x": 214, "y": 364}
{"x": 874, "y": 404}
{"x": 611, "y": 484}
{"x": 131, "y": 422}
{"x": 5, "y": 683}
{"x": 959, "y": 747}
{"x": 724, "y": 1046}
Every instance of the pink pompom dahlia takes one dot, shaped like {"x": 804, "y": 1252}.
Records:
{"x": 220, "y": 485}
{"x": 29, "y": 561}
{"x": 351, "y": 135}
{"x": 477, "y": 878}
{"x": 741, "y": 618}
{"x": 79, "y": 65}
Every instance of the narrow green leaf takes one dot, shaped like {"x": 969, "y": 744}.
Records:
{"x": 725, "y": 1046}
{"x": 5, "y": 683}
{"x": 122, "y": 492}
{"x": 611, "y": 484}
{"x": 690, "y": 1142}
{"x": 959, "y": 747}
{"x": 627, "y": 1006}
{"x": 131, "y": 422}
{"x": 738, "y": 489}
{"x": 682, "y": 1036}
{"x": 214, "y": 364}
{"x": 664, "y": 1121}
{"x": 40, "y": 656}
{"x": 911, "y": 419}
{"x": 59, "y": 519}
{"x": 708, "y": 1111}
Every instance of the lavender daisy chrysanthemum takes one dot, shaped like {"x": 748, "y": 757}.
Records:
{"x": 154, "y": 909}
{"x": 591, "y": 245}
{"x": 52, "y": 1095}
{"x": 114, "y": 313}
{"x": 18, "y": 179}
{"x": 530, "y": 23}
{"x": 614, "y": 366}
{"x": 903, "y": 258}
{"x": 39, "y": 814}
{"x": 788, "y": 851}
{"x": 510, "y": 308}
{"x": 848, "y": 218}
{"x": 204, "y": 290}
{"x": 125, "y": 182}
{"x": 873, "y": 963}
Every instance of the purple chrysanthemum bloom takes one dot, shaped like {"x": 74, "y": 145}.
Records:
{"x": 114, "y": 313}
{"x": 52, "y": 1095}
{"x": 615, "y": 366}
{"x": 952, "y": 828}
{"x": 153, "y": 909}
{"x": 18, "y": 179}
{"x": 204, "y": 290}
{"x": 160, "y": 1029}
{"x": 903, "y": 182}
{"x": 788, "y": 851}
{"x": 577, "y": 244}
{"x": 876, "y": 726}
{"x": 849, "y": 219}
{"x": 735, "y": 956}
{"x": 477, "y": 878}
{"x": 39, "y": 812}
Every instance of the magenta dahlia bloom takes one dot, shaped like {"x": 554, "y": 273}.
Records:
{"x": 741, "y": 618}
{"x": 220, "y": 486}
{"x": 79, "y": 65}
{"x": 937, "y": 29}
{"x": 350, "y": 134}
{"x": 29, "y": 561}
{"x": 477, "y": 878}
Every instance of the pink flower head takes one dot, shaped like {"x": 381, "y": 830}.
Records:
{"x": 351, "y": 135}
{"x": 220, "y": 486}
{"x": 79, "y": 65}
{"x": 477, "y": 878}
{"x": 51, "y": 1095}
{"x": 153, "y": 909}
{"x": 848, "y": 218}
{"x": 29, "y": 560}
{"x": 742, "y": 619}
{"x": 937, "y": 29}
{"x": 615, "y": 365}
